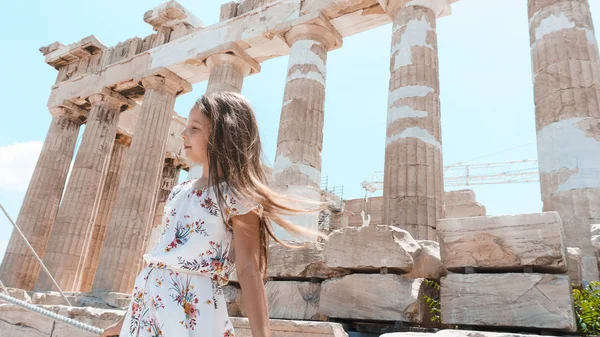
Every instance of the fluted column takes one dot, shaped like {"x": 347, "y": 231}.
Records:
{"x": 79, "y": 205}
{"x": 297, "y": 165}
{"x": 136, "y": 195}
{"x": 19, "y": 268}
{"x": 227, "y": 73}
{"x": 413, "y": 175}
{"x": 107, "y": 201}
{"x": 566, "y": 76}
{"x": 168, "y": 180}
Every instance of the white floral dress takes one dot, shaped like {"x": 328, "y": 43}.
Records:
{"x": 179, "y": 293}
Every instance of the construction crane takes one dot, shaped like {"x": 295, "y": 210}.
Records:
{"x": 459, "y": 174}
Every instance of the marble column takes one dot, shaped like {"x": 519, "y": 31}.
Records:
{"x": 136, "y": 195}
{"x": 20, "y": 268}
{"x": 413, "y": 175}
{"x": 566, "y": 77}
{"x": 227, "y": 73}
{"x": 79, "y": 205}
{"x": 107, "y": 201}
{"x": 168, "y": 180}
{"x": 297, "y": 165}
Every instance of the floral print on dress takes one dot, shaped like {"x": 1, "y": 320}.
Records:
{"x": 180, "y": 291}
{"x": 184, "y": 295}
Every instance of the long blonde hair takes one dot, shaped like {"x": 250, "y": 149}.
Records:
{"x": 234, "y": 149}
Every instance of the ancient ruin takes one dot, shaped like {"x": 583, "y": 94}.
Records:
{"x": 373, "y": 274}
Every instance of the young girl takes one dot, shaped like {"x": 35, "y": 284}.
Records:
{"x": 209, "y": 224}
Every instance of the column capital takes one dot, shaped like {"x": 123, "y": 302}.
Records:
{"x": 231, "y": 53}
{"x": 167, "y": 80}
{"x": 441, "y": 8}
{"x": 319, "y": 29}
{"x": 69, "y": 109}
{"x": 112, "y": 98}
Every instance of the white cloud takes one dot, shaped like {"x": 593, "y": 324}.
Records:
{"x": 17, "y": 162}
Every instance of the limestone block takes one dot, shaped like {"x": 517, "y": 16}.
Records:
{"x": 540, "y": 301}
{"x": 503, "y": 243}
{"x": 100, "y": 318}
{"x": 427, "y": 261}
{"x": 285, "y": 328}
{"x": 233, "y": 297}
{"x": 17, "y": 321}
{"x": 19, "y": 294}
{"x": 373, "y": 296}
{"x": 595, "y": 229}
{"x": 300, "y": 262}
{"x": 51, "y": 298}
{"x": 456, "y": 333}
{"x": 574, "y": 265}
{"x": 293, "y": 300}
{"x": 460, "y": 197}
{"x": 371, "y": 248}
{"x": 465, "y": 211}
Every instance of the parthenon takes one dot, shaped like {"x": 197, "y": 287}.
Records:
{"x": 93, "y": 236}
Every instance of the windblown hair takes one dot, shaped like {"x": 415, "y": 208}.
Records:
{"x": 234, "y": 149}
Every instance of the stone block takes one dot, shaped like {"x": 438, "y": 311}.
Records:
{"x": 286, "y": 328}
{"x": 371, "y": 248}
{"x": 293, "y": 300}
{"x": 541, "y": 301}
{"x": 51, "y": 298}
{"x": 464, "y": 211}
{"x": 458, "y": 333}
{"x": 233, "y": 297}
{"x": 504, "y": 243}
{"x": 374, "y": 297}
{"x": 17, "y": 321}
{"x": 574, "y": 266}
{"x": 460, "y": 197}
{"x": 300, "y": 262}
{"x": 19, "y": 294}
{"x": 427, "y": 261}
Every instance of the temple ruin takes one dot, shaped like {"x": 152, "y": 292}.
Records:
{"x": 372, "y": 274}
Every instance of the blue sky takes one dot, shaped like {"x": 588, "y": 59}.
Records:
{"x": 485, "y": 78}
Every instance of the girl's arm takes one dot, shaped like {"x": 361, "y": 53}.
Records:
{"x": 246, "y": 245}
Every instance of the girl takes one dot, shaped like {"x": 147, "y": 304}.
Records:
{"x": 209, "y": 223}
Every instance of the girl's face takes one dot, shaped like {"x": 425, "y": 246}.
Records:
{"x": 195, "y": 137}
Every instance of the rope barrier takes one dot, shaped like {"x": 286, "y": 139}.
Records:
{"x": 54, "y": 316}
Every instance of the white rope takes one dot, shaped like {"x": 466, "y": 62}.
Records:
{"x": 35, "y": 254}
{"x": 54, "y": 316}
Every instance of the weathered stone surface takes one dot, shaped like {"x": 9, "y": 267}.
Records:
{"x": 595, "y": 231}
{"x": 300, "y": 262}
{"x": 371, "y": 248}
{"x": 233, "y": 297}
{"x": 427, "y": 261}
{"x": 574, "y": 265}
{"x": 460, "y": 197}
{"x": 508, "y": 300}
{"x": 17, "y": 321}
{"x": 504, "y": 242}
{"x": 19, "y": 294}
{"x": 457, "y": 333}
{"x": 285, "y": 328}
{"x": 373, "y": 296}
{"x": 293, "y": 300}
{"x": 464, "y": 211}
{"x": 51, "y": 298}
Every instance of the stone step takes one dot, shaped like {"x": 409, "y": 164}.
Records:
{"x": 504, "y": 243}
{"x": 373, "y": 297}
{"x": 541, "y": 301}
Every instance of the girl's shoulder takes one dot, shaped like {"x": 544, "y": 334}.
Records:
{"x": 184, "y": 185}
